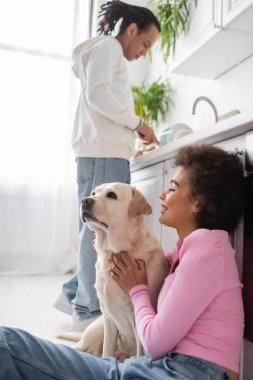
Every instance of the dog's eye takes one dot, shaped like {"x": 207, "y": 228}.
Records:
{"x": 112, "y": 195}
{"x": 93, "y": 193}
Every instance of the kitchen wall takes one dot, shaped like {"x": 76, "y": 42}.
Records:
{"x": 232, "y": 90}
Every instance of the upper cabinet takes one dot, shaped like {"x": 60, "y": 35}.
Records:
{"x": 220, "y": 37}
{"x": 237, "y": 15}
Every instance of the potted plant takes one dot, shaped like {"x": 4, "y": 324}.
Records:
{"x": 153, "y": 102}
{"x": 174, "y": 17}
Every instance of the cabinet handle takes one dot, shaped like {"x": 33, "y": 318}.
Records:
{"x": 236, "y": 152}
{"x": 216, "y": 26}
{"x": 214, "y": 17}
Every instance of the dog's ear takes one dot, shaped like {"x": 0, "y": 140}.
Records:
{"x": 139, "y": 205}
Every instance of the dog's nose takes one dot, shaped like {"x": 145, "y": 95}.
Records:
{"x": 87, "y": 201}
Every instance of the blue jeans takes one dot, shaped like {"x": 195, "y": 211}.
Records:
{"x": 25, "y": 357}
{"x": 91, "y": 172}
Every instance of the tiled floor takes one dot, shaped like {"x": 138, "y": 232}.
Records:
{"x": 27, "y": 302}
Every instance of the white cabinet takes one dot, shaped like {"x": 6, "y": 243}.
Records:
{"x": 205, "y": 21}
{"x": 220, "y": 37}
{"x": 150, "y": 182}
{"x": 237, "y": 14}
{"x": 169, "y": 235}
{"x": 236, "y": 146}
{"x": 190, "y": 55}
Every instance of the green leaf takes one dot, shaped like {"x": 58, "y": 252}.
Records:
{"x": 152, "y": 103}
{"x": 174, "y": 17}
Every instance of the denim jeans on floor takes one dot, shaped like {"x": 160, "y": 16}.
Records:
{"x": 25, "y": 357}
{"x": 91, "y": 172}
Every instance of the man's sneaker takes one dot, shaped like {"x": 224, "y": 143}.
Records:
{"x": 78, "y": 325}
{"x": 62, "y": 304}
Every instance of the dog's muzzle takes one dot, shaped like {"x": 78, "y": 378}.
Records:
{"x": 87, "y": 212}
{"x": 86, "y": 208}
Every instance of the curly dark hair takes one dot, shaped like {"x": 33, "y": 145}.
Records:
{"x": 114, "y": 10}
{"x": 216, "y": 179}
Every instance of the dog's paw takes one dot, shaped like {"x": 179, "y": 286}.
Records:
{"x": 120, "y": 356}
{"x": 92, "y": 338}
{"x": 93, "y": 348}
{"x": 73, "y": 336}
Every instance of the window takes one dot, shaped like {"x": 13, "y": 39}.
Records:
{"x": 35, "y": 55}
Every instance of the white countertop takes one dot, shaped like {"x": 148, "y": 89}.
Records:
{"x": 223, "y": 130}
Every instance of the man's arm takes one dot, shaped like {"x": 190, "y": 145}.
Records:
{"x": 100, "y": 70}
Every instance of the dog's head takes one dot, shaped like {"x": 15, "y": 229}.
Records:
{"x": 113, "y": 204}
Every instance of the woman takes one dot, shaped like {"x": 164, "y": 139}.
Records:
{"x": 197, "y": 330}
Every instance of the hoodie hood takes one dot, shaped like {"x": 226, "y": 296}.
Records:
{"x": 81, "y": 49}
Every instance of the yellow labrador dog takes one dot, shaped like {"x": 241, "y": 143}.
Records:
{"x": 115, "y": 211}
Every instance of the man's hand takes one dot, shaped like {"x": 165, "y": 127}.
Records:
{"x": 126, "y": 272}
{"x": 147, "y": 134}
{"x": 141, "y": 152}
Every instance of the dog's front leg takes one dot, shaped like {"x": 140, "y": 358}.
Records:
{"x": 139, "y": 348}
{"x": 110, "y": 338}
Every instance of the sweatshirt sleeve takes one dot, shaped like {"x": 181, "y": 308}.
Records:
{"x": 185, "y": 295}
{"x": 102, "y": 64}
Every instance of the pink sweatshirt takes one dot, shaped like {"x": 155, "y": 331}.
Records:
{"x": 200, "y": 310}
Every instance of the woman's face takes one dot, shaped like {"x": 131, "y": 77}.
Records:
{"x": 178, "y": 210}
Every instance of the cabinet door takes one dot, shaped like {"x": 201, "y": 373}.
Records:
{"x": 190, "y": 56}
{"x": 150, "y": 182}
{"x": 237, "y": 15}
{"x": 236, "y": 146}
{"x": 169, "y": 235}
{"x": 203, "y": 20}
{"x": 242, "y": 241}
{"x": 220, "y": 37}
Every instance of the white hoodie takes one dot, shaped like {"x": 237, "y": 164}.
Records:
{"x": 105, "y": 117}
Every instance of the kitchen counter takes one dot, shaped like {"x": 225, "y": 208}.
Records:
{"x": 223, "y": 130}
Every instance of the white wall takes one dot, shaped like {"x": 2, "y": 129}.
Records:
{"x": 233, "y": 90}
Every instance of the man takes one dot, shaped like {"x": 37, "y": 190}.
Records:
{"x": 104, "y": 131}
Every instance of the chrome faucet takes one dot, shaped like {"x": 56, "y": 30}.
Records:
{"x": 208, "y": 101}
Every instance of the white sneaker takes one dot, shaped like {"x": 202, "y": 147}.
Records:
{"x": 62, "y": 304}
{"x": 80, "y": 325}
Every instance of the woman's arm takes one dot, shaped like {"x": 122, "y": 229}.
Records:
{"x": 185, "y": 294}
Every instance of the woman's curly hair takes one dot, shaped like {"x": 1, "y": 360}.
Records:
{"x": 112, "y": 11}
{"x": 216, "y": 179}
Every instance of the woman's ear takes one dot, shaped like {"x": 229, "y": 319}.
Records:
{"x": 196, "y": 205}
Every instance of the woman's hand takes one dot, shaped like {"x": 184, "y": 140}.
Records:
{"x": 126, "y": 272}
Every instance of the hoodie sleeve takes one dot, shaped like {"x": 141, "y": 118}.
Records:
{"x": 101, "y": 67}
